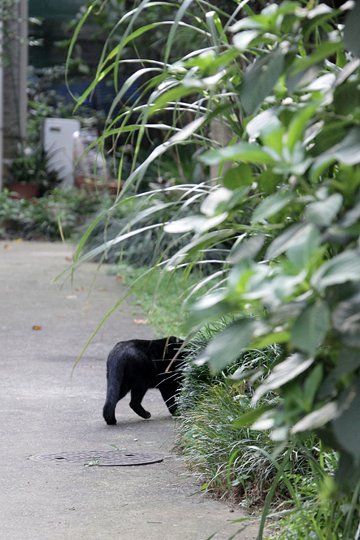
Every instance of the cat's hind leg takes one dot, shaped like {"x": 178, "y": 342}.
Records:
{"x": 113, "y": 393}
{"x": 137, "y": 393}
{"x": 169, "y": 396}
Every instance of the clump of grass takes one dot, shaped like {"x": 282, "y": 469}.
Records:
{"x": 321, "y": 517}
{"x": 199, "y": 377}
{"x": 241, "y": 463}
{"x": 229, "y": 462}
{"x": 160, "y": 295}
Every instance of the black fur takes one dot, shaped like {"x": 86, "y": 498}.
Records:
{"x": 137, "y": 365}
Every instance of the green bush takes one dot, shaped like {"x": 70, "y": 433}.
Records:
{"x": 282, "y": 195}
{"x": 228, "y": 461}
{"x": 59, "y": 214}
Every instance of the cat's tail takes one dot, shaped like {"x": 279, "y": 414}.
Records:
{"x": 114, "y": 378}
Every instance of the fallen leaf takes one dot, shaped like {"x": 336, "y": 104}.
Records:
{"x": 68, "y": 258}
{"x": 119, "y": 278}
{"x": 71, "y": 296}
{"x": 6, "y": 246}
{"x": 19, "y": 240}
{"x": 140, "y": 321}
{"x": 36, "y": 327}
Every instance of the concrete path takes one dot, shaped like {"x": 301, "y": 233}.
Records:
{"x": 46, "y": 410}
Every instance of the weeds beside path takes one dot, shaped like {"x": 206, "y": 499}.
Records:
{"x": 45, "y": 410}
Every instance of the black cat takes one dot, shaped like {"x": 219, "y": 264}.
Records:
{"x": 137, "y": 365}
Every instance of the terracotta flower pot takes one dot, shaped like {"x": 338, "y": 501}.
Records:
{"x": 24, "y": 191}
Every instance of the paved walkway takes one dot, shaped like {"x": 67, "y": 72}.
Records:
{"x": 45, "y": 410}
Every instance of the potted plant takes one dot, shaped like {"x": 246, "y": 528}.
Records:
{"x": 29, "y": 174}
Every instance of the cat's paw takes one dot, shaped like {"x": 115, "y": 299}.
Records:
{"x": 147, "y": 415}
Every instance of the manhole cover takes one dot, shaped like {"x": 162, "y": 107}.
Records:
{"x": 112, "y": 458}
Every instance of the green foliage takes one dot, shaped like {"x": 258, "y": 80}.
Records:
{"x": 58, "y": 215}
{"x": 282, "y": 201}
{"x": 308, "y": 220}
{"x": 319, "y": 517}
{"x": 31, "y": 166}
{"x": 228, "y": 461}
{"x": 160, "y": 297}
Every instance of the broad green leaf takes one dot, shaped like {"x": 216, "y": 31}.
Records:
{"x": 299, "y": 123}
{"x": 346, "y": 425}
{"x": 243, "y": 151}
{"x": 208, "y": 307}
{"x": 324, "y": 212}
{"x": 209, "y": 61}
{"x": 347, "y": 71}
{"x": 348, "y": 151}
{"x": 339, "y": 269}
{"x": 274, "y": 139}
{"x": 347, "y": 98}
{"x": 322, "y": 51}
{"x": 346, "y": 319}
{"x": 272, "y": 290}
{"x": 215, "y": 198}
{"x": 352, "y": 216}
{"x": 248, "y": 418}
{"x": 282, "y": 373}
{"x": 311, "y": 327}
{"x": 348, "y": 470}
{"x": 270, "y": 339}
{"x": 243, "y": 39}
{"x": 265, "y": 122}
{"x": 312, "y": 384}
{"x": 351, "y": 32}
{"x": 229, "y": 344}
{"x": 348, "y": 362}
{"x": 301, "y": 78}
{"x": 239, "y": 176}
{"x": 260, "y": 79}
{"x": 301, "y": 253}
{"x": 320, "y": 165}
{"x": 289, "y": 238}
{"x": 317, "y": 419}
{"x": 246, "y": 248}
{"x": 270, "y": 206}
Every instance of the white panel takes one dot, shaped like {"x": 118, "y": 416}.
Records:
{"x": 58, "y": 137}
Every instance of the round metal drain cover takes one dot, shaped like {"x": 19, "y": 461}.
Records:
{"x": 112, "y": 458}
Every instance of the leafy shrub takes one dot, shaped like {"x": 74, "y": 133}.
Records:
{"x": 58, "y": 214}
{"x": 198, "y": 377}
{"x": 228, "y": 461}
{"x": 283, "y": 192}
